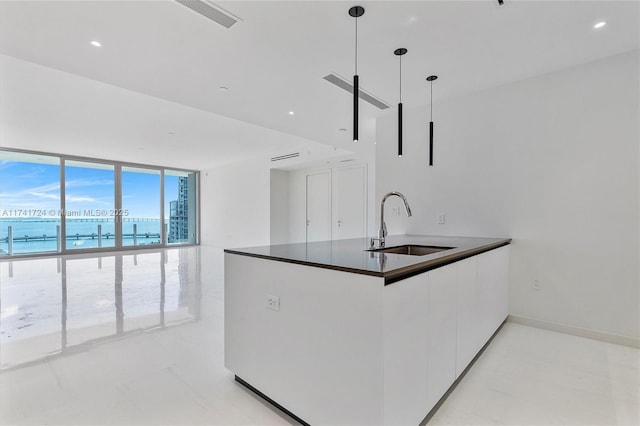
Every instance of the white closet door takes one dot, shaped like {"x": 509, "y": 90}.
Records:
{"x": 350, "y": 202}
{"x": 319, "y": 206}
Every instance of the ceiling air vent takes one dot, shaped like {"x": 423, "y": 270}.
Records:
{"x": 285, "y": 157}
{"x": 364, "y": 95}
{"x": 211, "y": 11}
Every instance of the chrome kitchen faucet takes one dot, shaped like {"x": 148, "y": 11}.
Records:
{"x": 382, "y": 232}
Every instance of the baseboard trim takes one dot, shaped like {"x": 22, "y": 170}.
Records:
{"x": 577, "y": 331}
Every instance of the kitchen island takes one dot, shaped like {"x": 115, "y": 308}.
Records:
{"x": 337, "y": 334}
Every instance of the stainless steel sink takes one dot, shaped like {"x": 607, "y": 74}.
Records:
{"x": 412, "y": 250}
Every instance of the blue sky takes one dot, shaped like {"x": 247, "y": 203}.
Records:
{"x": 30, "y": 186}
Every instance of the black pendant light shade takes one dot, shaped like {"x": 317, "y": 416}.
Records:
{"x": 431, "y": 143}
{"x": 400, "y": 129}
{"x": 430, "y": 79}
{"x": 356, "y": 98}
{"x": 356, "y": 12}
{"x": 399, "y": 52}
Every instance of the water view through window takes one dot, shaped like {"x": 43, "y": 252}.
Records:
{"x": 92, "y": 205}
{"x": 29, "y": 203}
{"x": 141, "y": 202}
{"x": 89, "y": 205}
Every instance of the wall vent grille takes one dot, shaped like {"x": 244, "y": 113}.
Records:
{"x": 285, "y": 157}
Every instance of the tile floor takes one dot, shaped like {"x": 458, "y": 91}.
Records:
{"x": 137, "y": 340}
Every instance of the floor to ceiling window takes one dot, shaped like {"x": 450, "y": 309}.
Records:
{"x": 141, "y": 224}
{"x": 89, "y": 207}
{"x": 180, "y": 206}
{"x": 29, "y": 203}
{"x": 59, "y": 204}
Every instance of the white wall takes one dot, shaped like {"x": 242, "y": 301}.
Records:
{"x": 552, "y": 162}
{"x": 235, "y": 204}
{"x": 297, "y": 206}
{"x": 279, "y": 206}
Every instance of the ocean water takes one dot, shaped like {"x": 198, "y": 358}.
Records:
{"x": 79, "y": 233}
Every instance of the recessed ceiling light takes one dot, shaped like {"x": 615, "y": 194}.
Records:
{"x": 223, "y": 88}
{"x": 170, "y": 133}
{"x": 342, "y": 129}
{"x": 291, "y": 112}
{"x": 599, "y": 25}
{"x": 96, "y": 43}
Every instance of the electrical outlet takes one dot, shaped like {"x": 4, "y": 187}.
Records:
{"x": 273, "y": 302}
{"x": 536, "y": 285}
{"x": 441, "y": 219}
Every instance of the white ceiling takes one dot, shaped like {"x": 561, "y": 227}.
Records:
{"x": 47, "y": 110}
{"x": 274, "y": 59}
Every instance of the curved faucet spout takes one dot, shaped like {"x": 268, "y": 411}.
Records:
{"x": 402, "y": 197}
{"x": 382, "y": 233}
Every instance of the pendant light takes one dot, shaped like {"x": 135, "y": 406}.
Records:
{"x": 399, "y": 52}
{"x": 430, "y": 79}
{"x": 356, "y": 12}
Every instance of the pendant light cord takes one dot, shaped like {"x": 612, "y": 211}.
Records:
{"x": 400, "y": 78}
{"x": 431, "y": 100}
{"x": 356, "y": 55}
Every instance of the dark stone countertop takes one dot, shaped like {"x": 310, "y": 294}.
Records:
{"x": 352, "y": 255}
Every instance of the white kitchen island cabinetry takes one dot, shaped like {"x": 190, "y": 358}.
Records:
{"x": 333, "y": 346}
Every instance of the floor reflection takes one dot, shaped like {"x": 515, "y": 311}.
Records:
{"x": 56, "y": 305}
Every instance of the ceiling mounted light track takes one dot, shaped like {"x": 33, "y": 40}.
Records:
{"x": 400, "y": 52}
{"x": 356, "y": 12}
{"x": 431, "y": 79}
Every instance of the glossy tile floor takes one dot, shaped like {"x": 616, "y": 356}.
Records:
{"x": 137, "y": 339}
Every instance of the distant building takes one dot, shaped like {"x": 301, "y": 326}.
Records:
{"x": 179, "y": 213}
